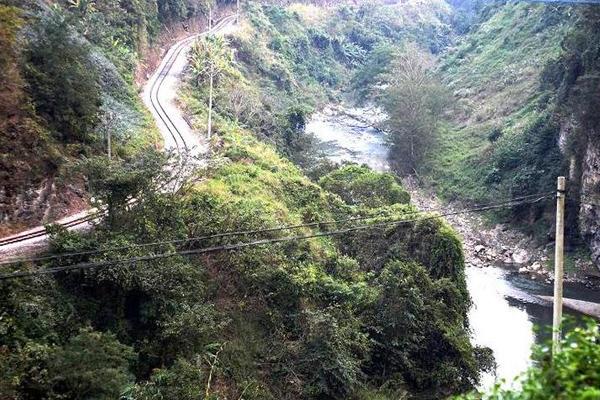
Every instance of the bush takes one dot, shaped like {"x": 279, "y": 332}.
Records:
{"x": 184, "y": 380}
{"x": 359, "y": 185}
{"x": 91, "y": 365}
{"x": 415, "y": 324}
{"x": 572, "y": 374}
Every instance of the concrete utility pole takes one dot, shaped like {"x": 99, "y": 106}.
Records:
{"x": 559, "y": 263}
{"x": 108, "y": 143}
{"x": 209, "y": 18}
{"x": 210, "y": 101}
{"x": 109, "y": 124}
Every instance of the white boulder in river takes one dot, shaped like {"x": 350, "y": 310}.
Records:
{"x": 520, "y": 256}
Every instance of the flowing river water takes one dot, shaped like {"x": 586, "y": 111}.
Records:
{"x": 506, "y": 309}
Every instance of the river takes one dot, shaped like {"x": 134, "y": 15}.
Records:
{"x": 505, "y": 308}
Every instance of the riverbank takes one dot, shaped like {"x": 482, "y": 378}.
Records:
{"x": 501, "y": 245}
{"x": 505, "y": 294}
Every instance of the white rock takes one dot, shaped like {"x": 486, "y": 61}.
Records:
{"x": 536, "y": 266}
{"x": 520, "y": 256}
{"x": 479, "y": 248}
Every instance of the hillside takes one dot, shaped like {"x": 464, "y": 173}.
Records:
{"x": 262, "y": 271}
{"x": 379, "y": 311}
{"x": 515, "y": 124}
{"x": 70, "y": 82}
{"x": 318, "y": 318}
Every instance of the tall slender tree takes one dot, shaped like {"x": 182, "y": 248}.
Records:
{"x": 211, "y": 57}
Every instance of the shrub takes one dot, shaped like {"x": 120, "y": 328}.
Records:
{"x": 416, "y": 332}
{"x": 91, "y": 365}
{"x": 359, "y": 185}
{"x": 184, "y": 380}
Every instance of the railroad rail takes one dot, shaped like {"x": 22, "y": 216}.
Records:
{"x": 180, "y": 144}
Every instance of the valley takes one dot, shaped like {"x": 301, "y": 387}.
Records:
{"x": 309, "y": 201}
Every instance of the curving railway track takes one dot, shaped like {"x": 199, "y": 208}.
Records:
{"x": 161, "y": 90}
{"x": 159, "y": 96}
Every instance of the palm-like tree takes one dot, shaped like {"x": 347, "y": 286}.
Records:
{"x": 210, "y": 58}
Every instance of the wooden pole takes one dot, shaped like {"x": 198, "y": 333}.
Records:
{"x": 559, "y": 263}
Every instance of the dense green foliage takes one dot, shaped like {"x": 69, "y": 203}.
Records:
{"x": 318, "y": 318}
{"x": 571, "y": 374}
{"x": 360, "y": 185}
{"x": 379, "y": 313}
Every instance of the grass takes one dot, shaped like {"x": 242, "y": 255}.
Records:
{"x": 494, "y": 73}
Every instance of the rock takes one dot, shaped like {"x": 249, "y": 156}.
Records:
{"x": 479, "y": 248}
{"x": 523, "y": 270}
{"x": 520, "y": 256}
{"x": 536, "y": 266}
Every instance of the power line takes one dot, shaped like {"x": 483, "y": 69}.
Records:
{"x": 90, "y": 265}
{"x": 246, "y": 232}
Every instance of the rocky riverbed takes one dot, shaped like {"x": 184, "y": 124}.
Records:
{"x": 500, "y": 245}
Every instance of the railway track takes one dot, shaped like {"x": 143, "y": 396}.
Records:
{"x": 162, "y": 116}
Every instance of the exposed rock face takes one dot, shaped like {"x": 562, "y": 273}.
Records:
{"x": 43, "y": 203}
{"x": 589, "y": 212}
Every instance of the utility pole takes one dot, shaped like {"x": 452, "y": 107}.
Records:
{"x": 108, "y": 135}
{"x": 210, "y": 101}
{"x": 559, "y": 263}
{"x": 108, "y": 144}
{"x": 237, "y": 13}
{"x": 209, "y": 19}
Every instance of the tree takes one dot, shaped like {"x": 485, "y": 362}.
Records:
{"x": 414, "y": 101}
{"x": 210, "y": 58}
{"x": 61, "y": 81}
{"x": 115, "y": 184}
{"x": 92, "y": 365}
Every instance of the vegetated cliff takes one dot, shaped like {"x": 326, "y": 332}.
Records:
{"x": 374, "y": 313}
{"x": 69, "y": 82}
{"x": 575, "y": 80}
{"x": 524, "y": 77}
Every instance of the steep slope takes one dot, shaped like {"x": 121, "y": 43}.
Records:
{"x": 71, "y": 84}
{"x": 495, "y": 75}
{"x": 379, "y": 312}
{"x": 515, "y": 77}
{"x": 373, "y": 313}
